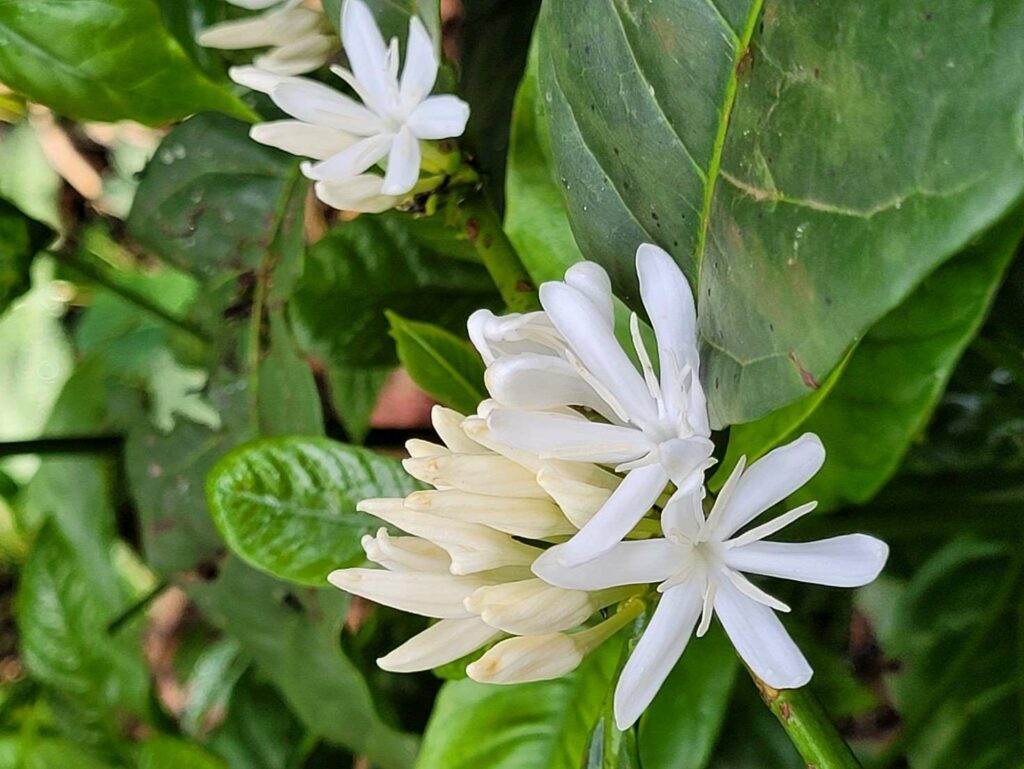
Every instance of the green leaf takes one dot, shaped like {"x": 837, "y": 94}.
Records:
{"x": 259, "y": 731}
{"x": 293, "y": 638}
{"x": 354, "y": 395}
{"x": 679, "y": 729}
{"x": 544, "y": 725}
{"x": 393, "y": 16}
{"x": 956, "y": 627}
{"x": 803, "y": 175}
{"x": 104, "y": 60}
{"x": 185, "y": 19}
{"x": 21, "y": 238}
{"x": 169, "y": 753}
{"x": 59, "y": 754}
{"x": 288, "y": 505}
{"x": 377, "y": 263}
{"x": 898, "y": 372}
{"x": 216, "y": 204}
{"x": 63, "y": 611}
{"x": 288, "y": 398}
{"x": 445, "y": 366}
{"x": 751, "y": 737}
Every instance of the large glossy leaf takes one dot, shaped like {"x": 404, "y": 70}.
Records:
{"x": 20, "y": 240}
{"x": 792, "y": 158}
{"x": 444, "y": 365}
{"x": 544, "y": 725}
{"x": 288, "y": 505}
{"x": 680, "y": 727}
{"x": 104, "y": 60}
{"x": 217, "y": 204}
{"x": 294, "y": 638}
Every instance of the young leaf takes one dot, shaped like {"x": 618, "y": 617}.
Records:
{"x": 445, "y": 366}
{"x": 288, "y": 505}
{"x": 804, "y": 177}
{"x": 104, "y": 60}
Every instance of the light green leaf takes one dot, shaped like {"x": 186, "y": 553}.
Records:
{"x": 544, "y": 725}
{"x": 175, "y": 390}
{"x": 169, "y": 753}
{"x": 445, "y": 366}
{"x": 59, "y": 754}
{"x": 288, "y": 505}
{"x": 805, "y": 176}
{"x": 104, "y": 60}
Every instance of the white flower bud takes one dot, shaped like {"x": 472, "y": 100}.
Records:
{"x": 530, "y": 518}
{"x": 532, "y": 607}
{"x": 488, "y": 474}
{"x": 439, "y": 644}
{"x": 527, "y": 658}
{"x": 429, "y": 595}
{"x": 405, "y": 553}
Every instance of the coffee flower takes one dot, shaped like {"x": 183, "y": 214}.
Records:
{"x": 656, "y": 427}
{"x": 700, "y": 565}
{"x": 299, "y": 37}
{"x": 463, "y": 561}
{"x": 346, "y": 138}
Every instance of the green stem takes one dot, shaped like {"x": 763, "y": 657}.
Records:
{"x": 84, "y": 444}
{"x": 136, "y": 608}
{"x": 476, "y": 217}
{"x": 809, "y": 728}
{"x": 92, "y": 272}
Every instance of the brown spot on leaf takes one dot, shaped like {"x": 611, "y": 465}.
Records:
{"x": 805, "y": 375}
{"x": 524, "y": 286}
{"x": 472, "y": 229}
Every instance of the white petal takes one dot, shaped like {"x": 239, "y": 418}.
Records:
{"x": 527, "y": 518}
{"x": 260, "y": 80}
{"x": 683, "y": 514}
{"x": 531, "y": 607}
{"x": 254, "y": 5}
{"x": 298, "y": 138}
{"x": 441, "y": 643}
{"x": 267, "y": 29}
{"x": 488, "y": 474}
{"x": 578, "y": 498}
{"x": 352, "y": 161}
{"x": 420, "y": 70}
{"x": 367, "y": 56}
{"x": 313, "y": 102}
{"x": 851, "y": 560}
{"x": 405, "y": 553}
{"x": 563, "y": 436}
{"x": 591, "y": 279}
{"x": 538, "y": 381}
{"x": 447, "y": 424}
{"x": 403, "y": 164}
{"x": 775, "y": 524}
{"x": 439, "y": 117}
{"x": 760, "y": 639}
{"x": 625, "y": 507}
{"x": 669, "y": 302}
{"x": 769, "y": 480}
{"x": 298, "y": 57}
{"x": 430, "y": 595}
{"x": 682, "y": 457}
{"x": 584, "y": 328}
{"x": 527, "y": 658}
{"x": 360, "y": 193}
{"x": 657, "y": 652}
{"x": 627, "y": 563}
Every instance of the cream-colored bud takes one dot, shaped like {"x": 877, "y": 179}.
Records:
{"x": 419, "y": 448}
{"x": 429, "y": 595}
{"x": 579, "y": 497}
{"x": 488, "y": 474}
{"x": 405, "y": 553}
{"x": 527, "y": 658}
{"x": 448, "y": 425}
{"x": 531, "y": 607}
{"x": 441, "y": 643}
{"x": 530, "y": 518}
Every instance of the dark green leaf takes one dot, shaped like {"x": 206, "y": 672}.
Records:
{"x": 169, "y": 753}
{"x": 801, "y": 169}
{"x": 217, "y": 204}
{"x": 354, "y": 394}
{"x": 185, "y": 19}
{"x": 104, "y": 60}
{"x": 288, "y": 399}
{"x": 445, "y": 366}
{"x": 378, "y": 263}
{"x": 293, "y": 638}
{"x": 288, "y": 505}
{"x": 680, "y": 727}
{"x": 63, "y": 611}
{"x": 393, "y": 15}
{"x": 259, "y": 732}
{"x": 544, "y": 725}
{"x": 20, "y": 239}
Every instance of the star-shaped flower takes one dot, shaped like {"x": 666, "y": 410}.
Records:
{"x": 700, "y": 564}
{"x": 657, "y": 426}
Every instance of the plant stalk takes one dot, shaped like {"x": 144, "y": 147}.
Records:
{"x": 809, "y": 727}
{"x": 476, "y": 217}
{"x": 71, "y": 444}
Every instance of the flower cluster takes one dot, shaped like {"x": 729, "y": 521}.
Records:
{"x": 614, "y": 453}
{"x": 368, "y": 153}
{"x": 465, "y": 559}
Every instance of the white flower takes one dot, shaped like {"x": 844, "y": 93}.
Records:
{"x": 701, "y": 564}
{"x": 465, "y": 564}
{"x": 300, "y": 38}
{"x": 347, "y": 138}
{"x": 657, "y": 428}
